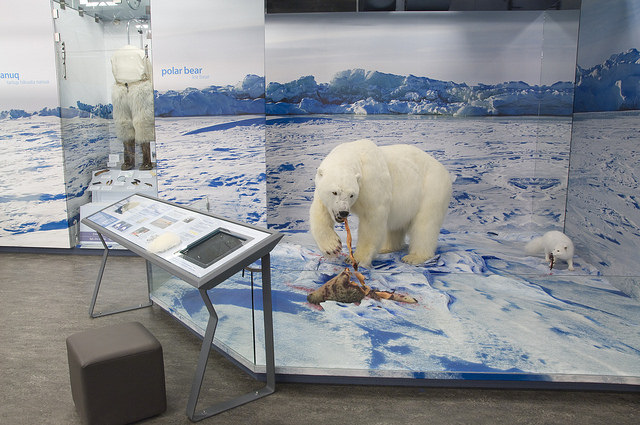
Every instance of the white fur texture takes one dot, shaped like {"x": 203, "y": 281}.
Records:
{"x": 553, "y": 242}
{"x": 395, "y": 191}
{"x": 164, "y": 242}
{"x": 133, "y": 112}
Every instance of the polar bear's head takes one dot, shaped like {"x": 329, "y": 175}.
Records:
{"x": 338, "y": 191}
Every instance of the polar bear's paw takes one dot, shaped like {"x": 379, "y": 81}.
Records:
{"x": 387, "y": 249}
{"x": 414, "y": 259}
{"x": 331, "y": 246}
{"x": 363, "y": 257}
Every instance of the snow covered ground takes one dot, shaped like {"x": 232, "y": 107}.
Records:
{"x": 32, "y": 193}
{"x": 217, "y": 161}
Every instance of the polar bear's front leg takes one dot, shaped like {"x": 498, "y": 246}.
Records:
{"x": 322, "y": 229}
{"x": 372, "y": 231}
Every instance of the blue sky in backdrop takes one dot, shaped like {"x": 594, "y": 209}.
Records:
{"x": 470, "y": 47}
{"x": 607, "y": 27}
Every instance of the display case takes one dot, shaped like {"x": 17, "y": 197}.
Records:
{"x": 106, "y": 105}
{"x": 488, "y": 312}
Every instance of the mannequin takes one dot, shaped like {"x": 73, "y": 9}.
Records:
{"x": 132, "y": 98}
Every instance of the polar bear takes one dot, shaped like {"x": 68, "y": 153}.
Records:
{"x": 395, "y": 191}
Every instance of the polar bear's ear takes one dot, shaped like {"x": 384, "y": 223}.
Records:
{"x": 319, "y": 174}
{"x": 358, "y": 176}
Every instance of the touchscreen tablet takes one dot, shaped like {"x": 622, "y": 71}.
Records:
{"x": 212, "y": 247}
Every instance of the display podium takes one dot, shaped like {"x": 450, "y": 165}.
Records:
{"x": 203, "y": 250}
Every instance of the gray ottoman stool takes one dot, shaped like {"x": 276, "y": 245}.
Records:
{"x": 117, "y": 374}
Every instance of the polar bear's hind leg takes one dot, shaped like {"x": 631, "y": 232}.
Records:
{"x": 423, "y": 238}
{"x": 425, "y": 227}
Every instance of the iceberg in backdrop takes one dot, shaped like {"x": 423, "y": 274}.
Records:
{"x": 361, "y": 92}
{"x": 613, "y": 85}
{"x": 82, "y": 111}
{"x": 355, "y": 91}
{"x": 246, "y": 97}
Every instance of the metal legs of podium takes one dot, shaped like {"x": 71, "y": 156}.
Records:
{"x": 99, "y": 281}
{"x": 269, "y": 388}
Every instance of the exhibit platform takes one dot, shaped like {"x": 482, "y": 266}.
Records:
{"x": 492, "y": 320}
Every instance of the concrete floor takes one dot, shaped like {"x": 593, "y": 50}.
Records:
{"x": 45, "y": 297}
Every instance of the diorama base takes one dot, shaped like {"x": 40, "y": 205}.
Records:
{"x": 498, "y": 325}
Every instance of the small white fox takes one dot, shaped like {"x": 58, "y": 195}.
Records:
{"x": 556, "y": 246}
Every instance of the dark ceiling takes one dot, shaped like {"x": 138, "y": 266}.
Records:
{"x": 307, "y": 6}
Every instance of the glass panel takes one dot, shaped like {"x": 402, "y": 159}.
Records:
{"x": 208, "y": 73}
{"x": 602, "y": 209}
{"x": 232, "y": 301}
{"x": 104, "y": 56}
{"x": 208, "y": 77}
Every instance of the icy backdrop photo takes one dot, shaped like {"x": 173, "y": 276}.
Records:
{"x": 32, "y": 204}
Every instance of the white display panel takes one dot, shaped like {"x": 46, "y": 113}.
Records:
{"x": 170, "y": 231}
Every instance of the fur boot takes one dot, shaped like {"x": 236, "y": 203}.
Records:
{"x": 146, "y": 156}
{"x": 129, "y": 155}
